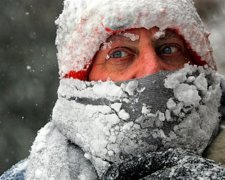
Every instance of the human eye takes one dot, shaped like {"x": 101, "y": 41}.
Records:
{"x": 120, "y": 54}
{"x": 168, "y": 50}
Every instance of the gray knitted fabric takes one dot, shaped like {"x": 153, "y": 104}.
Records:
{"x": 170, "y": 164}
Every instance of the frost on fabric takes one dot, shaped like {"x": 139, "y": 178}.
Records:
{"x": 48, "y": 159}
{"x": 124, "y": 115}
{"x": 109, "y": 121}
{"x": 90, "y": 89}
{"x": 53, "y": 157}
{"x": 169, "y": 164}
{"x": 15, "y": 172}
{"x": 188, "y": 94}
{"x": 82, "y": 29}
{"x": 99, "y": 129}
{"x": 130, "y": 87}
{"x": 116, "y": 106}
{"x": 197, "y": 93}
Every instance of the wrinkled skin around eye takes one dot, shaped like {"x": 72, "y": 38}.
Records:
{"x": 169, "y": 49}
{"x": 118, "y": 54}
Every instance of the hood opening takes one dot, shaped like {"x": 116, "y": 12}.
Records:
{"x": 84, "y": 73}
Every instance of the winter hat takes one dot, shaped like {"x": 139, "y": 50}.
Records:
{"x": 85, "y": 24}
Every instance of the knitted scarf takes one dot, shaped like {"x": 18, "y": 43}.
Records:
{"x": 106, "y": 122}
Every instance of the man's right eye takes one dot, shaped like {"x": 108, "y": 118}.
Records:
{"x": 118, "y": 54}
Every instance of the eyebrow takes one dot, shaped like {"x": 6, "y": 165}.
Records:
{"x": 119, "y": 37}
{"x": 168, "y": 34}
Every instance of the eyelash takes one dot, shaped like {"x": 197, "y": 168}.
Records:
{"x": 178, "y": 49}
{"x": 126, "y": 50}
{"x": 158, "y": 50}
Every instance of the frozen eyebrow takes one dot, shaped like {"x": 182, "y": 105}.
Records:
{"x": 106, "y": 45}
{"x": 131, "y": 36}
{"x": 114, "y": 38}
{"x": 127, "y": 37}
{"x": 164, "y": 35}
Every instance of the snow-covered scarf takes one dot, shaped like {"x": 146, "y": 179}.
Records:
{"x": 109, "y": 121}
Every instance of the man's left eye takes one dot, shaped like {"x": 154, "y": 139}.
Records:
{"x": 168, "y": 49}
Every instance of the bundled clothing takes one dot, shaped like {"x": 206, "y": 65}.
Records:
{"x": 125, "y": 127}
{"x": 156, "y": 127}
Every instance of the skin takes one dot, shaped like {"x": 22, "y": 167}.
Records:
{"x": 124, "y": 59}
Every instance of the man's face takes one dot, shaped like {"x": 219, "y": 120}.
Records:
{"x": 137, "y": 53}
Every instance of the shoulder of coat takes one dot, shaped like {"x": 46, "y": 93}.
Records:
{"x": 216, "y": 150}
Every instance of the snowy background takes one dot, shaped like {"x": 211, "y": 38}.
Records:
{"x": 28, "y": 70}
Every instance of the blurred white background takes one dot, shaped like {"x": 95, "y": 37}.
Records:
{"x": 213, "y": 14}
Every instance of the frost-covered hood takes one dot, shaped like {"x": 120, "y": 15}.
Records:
{"x": 85, "y": 24}
{"x": 110, "y": 121}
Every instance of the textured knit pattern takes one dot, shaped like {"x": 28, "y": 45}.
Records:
{"x": 171, "y": 164}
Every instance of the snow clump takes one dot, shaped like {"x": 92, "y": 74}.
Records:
{"x": 131, "y": 36}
